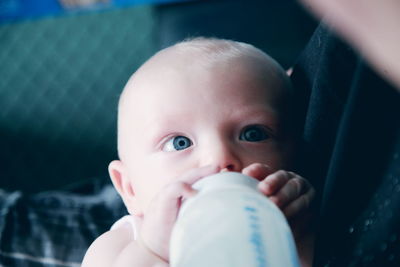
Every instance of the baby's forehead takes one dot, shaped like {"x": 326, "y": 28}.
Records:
{"x": 199, "y": 59}
{"x": 207, "y": 53}
{"x": 180, "y": 60}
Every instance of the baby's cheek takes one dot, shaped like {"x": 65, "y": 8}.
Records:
{"x": 271, "y": 154}
{"x": 278, "y": 161}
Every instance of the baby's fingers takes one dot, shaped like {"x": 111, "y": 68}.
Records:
{"x": 168, "y": 200}
{"x": 300, "y": 205}
{"x": 175, "y": 191}
{"x": 160, "y": 217}
{"x": 291, "y": 190}
{"x": 257, "y": 170}
{"x": 274, "y": 182}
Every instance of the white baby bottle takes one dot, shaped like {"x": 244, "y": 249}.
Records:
{"x": 229, "y": 223}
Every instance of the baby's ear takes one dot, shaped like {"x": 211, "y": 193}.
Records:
{"x": 123, "y": 185}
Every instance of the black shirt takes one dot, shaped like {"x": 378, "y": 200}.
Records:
{"x": 351, "y": 139}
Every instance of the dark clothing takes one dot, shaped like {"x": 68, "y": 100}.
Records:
{"x": 352, "y": 147}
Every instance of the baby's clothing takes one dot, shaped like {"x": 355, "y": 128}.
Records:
{"x": 130, "y": 220}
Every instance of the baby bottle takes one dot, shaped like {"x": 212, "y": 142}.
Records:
{"x": 229, "y": 223}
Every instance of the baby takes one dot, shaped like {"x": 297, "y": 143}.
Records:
{"x": 194, "y": 109}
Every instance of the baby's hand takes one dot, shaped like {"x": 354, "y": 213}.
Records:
{"x": 290, "y": 192}
{"x": 156, "y": 227}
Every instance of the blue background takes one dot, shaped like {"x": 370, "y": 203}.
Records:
{"x": 12, "y": 10}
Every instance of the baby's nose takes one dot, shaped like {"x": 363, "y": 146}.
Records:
{"x": 226, "y": 159}
{"x": 228, "y": 168}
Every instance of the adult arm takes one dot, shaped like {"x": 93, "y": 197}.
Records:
{"x": 370, "y": 26}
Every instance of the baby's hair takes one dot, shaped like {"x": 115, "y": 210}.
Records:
{"x": 215, "y": 49}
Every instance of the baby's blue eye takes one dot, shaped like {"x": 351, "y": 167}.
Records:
{"x": 254, "y": 133}
{"x": 177, "y": 143}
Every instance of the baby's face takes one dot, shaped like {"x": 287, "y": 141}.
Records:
{"x": 174, "y": 119}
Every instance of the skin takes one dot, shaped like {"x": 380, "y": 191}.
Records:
{"x": 370, "y": 26}
{"x": 170, "y": 97}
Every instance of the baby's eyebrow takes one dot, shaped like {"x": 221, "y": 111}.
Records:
{"x": 165, "y": 120}
{"x": 160, "y": 124}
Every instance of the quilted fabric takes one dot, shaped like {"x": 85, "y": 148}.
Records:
{"x": 60, "y": 79}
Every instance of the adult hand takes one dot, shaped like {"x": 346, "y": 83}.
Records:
{"x": 372, "y": 26}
